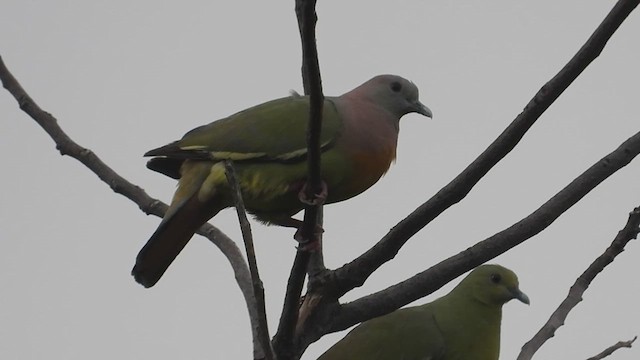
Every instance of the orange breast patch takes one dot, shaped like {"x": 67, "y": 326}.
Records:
{"x": 369, "y": 167}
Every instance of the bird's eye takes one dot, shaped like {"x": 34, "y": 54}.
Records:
{"x": 495, "y": 278}
{"x": 396, "y": 86}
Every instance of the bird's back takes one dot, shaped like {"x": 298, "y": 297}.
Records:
{"x": 406, "y": 334}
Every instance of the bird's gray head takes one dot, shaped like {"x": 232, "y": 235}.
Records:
{"x": 396, "y": 94}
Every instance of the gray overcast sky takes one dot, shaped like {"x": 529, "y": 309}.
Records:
{"x": 123, "y": 77}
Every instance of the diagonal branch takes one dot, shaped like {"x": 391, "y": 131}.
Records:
{"x": 428, "y": 281}
{"x": 307, "y": 18}
{"x": 330, "y": 316}
{"x": 120, "y": 185}
{"x": 262, "y": 347}
{"x": 356, "y": 272}
{"x": 557, "y": 319}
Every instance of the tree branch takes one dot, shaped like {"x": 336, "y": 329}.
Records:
{"x": 260, "y": 330}
{"x": 428, "y": 281}
{"x": 307, "y": 18}
{"x": 330, "y": 316}
{"x": 557, "y": 319}
{"x": 608, "y": 351}
{"x": 120, "y": 185}
{"x": 333, "y": 317}
{"x": 356, "y": 272}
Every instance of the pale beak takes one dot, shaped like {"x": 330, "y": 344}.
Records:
{"x": 420, "y": 108}
{"x": 517, "y": 294}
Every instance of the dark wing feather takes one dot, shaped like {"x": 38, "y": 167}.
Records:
{"x": 273, "y": 131}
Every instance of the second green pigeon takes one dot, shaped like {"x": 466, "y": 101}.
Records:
{"x": 267, "y": 144}
{"x": 462, "y": 325}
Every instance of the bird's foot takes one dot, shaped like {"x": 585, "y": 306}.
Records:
{"x": 313, "y": 245}
{"x": 318, "y": 199}
{"x": 306, "y": 244}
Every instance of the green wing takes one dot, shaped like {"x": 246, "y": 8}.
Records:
{"x": 273, "y": 131}
{"x": 407, "y": 334}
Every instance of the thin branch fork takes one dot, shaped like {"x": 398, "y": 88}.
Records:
{"x": 557, "y": 319}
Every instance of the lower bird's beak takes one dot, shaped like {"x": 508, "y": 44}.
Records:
{"x": 423, "y": 109}
{"x": 517, "y": 294}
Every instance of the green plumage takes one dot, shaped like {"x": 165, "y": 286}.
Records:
{"x": 271, "y": 132}
{"x": 267, "y": 144}
{"x": 462, "y": 325}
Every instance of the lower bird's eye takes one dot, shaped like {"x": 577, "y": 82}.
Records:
{"x": 495, "y": 278}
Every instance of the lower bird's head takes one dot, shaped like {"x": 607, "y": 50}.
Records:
{"x": 493, "y": 285}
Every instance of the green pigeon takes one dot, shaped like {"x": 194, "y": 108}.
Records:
{"x": 462, "y": 325}
{"x": 268, "y": 146}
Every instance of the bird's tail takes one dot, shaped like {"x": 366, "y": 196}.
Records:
{"x": 185, "y": 215}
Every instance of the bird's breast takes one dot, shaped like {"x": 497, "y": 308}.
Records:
{"x": 370, "y": 167}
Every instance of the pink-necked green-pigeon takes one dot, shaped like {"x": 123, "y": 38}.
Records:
{"x": 267, "y": 144}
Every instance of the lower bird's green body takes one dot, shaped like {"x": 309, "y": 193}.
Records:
{"x": 462, "y": 325}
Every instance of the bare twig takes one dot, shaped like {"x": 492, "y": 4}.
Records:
{"x": 629, "y": 232}
{"x": 608, "y": 351}
{"x": 305, "y": 12}
{"x": 118, "y": 184}
{"x": 260, "y": 330}
{"x": 356, "y": 272}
